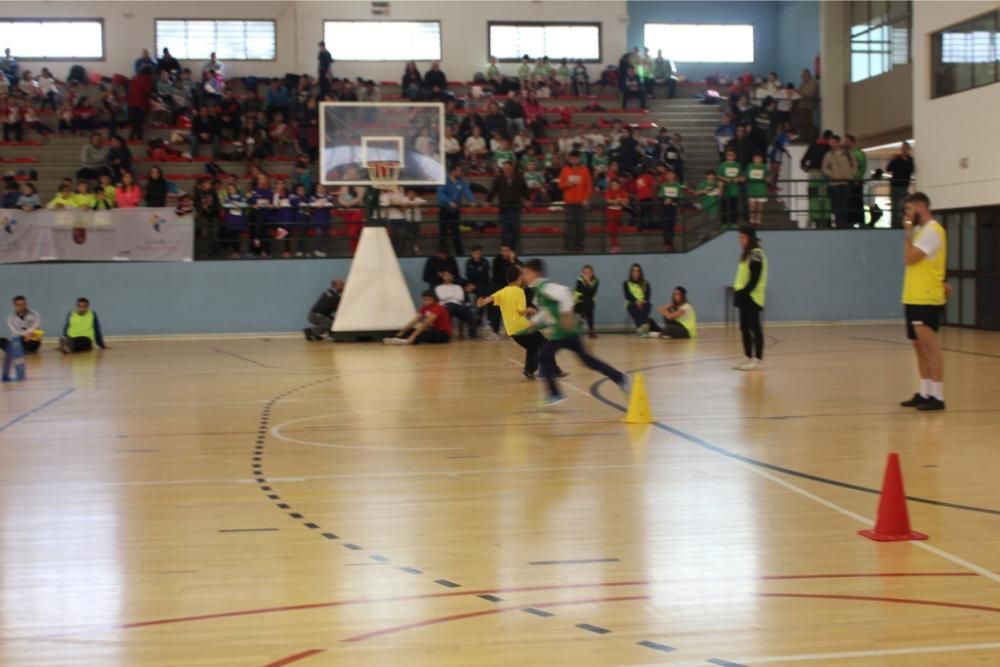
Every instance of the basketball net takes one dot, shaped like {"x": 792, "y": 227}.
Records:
{"x": 384, "y": 174}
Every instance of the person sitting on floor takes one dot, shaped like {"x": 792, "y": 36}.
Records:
{"x": 679, "y": 318}
{"x": 323, "y": 311}
{"x": 637, "y": 292}
{"x": 82, "y": 330}
{"x": 431, "y": 324}
{"x": 25, "y": 324}
{"x": 452, "y": 297}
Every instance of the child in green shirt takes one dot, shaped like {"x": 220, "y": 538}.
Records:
{"x": 756, "y": 179}
{"x": 502, "y": 154}
{"x": 729, "y": 173}
{"x": 671, "y": 194}
{"x": 709, "y": 190}
{"x": 535, "y": 180}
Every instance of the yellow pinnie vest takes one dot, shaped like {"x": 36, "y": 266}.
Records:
{"x": 923, "y": 282}
{"x": 743, "y": 278}
{"x": 81, "y": 326}
{"x": 690, "y": 321}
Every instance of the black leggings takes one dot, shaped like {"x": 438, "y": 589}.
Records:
{"x": 550, "y": 369}
{"x": 753, "y": 333}
{"x": 585, "y": 309}
{"x": 675, "y": 329}
{"x": 532, "y": 344}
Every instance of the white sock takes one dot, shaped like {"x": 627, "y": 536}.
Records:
{"x": 925, "y": 388}
{"x": 937, "y": 390}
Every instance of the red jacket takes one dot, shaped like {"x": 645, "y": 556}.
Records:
{"x": 140, "y": 92}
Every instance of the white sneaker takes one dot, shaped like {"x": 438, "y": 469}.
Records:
{"x": 395, "y": 341}
{"x": 750, "y": 365}
{"x": 319, "y": 253}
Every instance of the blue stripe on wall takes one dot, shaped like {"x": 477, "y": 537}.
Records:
{"x": 818, "y": 275}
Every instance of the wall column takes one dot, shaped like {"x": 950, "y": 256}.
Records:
{"x": 835, "y": 63}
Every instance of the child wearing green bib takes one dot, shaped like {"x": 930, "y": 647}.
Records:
{"x": 671, "y": 195}
{"x": 729, "y": 174}
{"x": 709, "y": 190}
{"x": 756, "y": 180}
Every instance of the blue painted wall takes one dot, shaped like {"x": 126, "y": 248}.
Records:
{"x": 785, "y": 33}
{"x": 798, "y": 25}
{"x": 816, "y": 275}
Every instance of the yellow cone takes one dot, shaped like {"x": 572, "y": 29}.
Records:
{"x": 638, "y": 403}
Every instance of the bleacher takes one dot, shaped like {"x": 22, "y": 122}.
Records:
{"x": 542, "y": 227}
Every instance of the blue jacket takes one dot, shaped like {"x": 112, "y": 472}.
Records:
{"x": 454, "y": 192}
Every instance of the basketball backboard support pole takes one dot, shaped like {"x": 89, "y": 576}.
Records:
{"x": 376, "y": 300}
{"x": 354, "y": 133}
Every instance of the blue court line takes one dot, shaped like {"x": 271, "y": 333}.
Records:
{"x": 25, "y": 415}
{"x": 704, "y": 444}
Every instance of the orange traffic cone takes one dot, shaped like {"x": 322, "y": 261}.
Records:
{"x": 893, "y": 521}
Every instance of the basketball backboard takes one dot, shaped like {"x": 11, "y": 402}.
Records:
{"x": 352, "y": 134}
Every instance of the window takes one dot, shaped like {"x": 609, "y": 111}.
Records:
{"x": 230, "y": 40}
{"x": 383, "y": 40}
{"x": 966, "y": 56}
{"x": 72, "y": 39}
{"x": 694, "y": 43}
{"x": 880, "y": 37}
{"x": 572, "y": 41}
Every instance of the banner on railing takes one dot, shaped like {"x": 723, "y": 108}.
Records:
{"x": 124, "y": 234}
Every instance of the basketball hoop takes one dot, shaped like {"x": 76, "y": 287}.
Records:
{"x": 384, "y": 174}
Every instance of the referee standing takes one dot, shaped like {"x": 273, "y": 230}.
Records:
{"x": 925, "y": 251}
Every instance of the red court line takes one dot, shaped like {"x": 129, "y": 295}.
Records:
{"x": 485, "y": 591}
{"x": 302, "y": 655}
{"x": 565, "y": 603}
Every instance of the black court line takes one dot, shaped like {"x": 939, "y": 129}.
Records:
{"x": 656, "y": 646}
{"x": 704, "y": 444}
{"x": 538, "y": 612}
{"x": 24, "y": 415}
{"x": 943, "y": 349}
{"x": 593, "y": 628}
{"x": 447, "y": 584}
{"x": 724, "y": 663}
{"x": 240, "y": 356}
{"x": 490, "y": 598}
{"x": 581, "y": 561}
{"x": 248, "y": 530}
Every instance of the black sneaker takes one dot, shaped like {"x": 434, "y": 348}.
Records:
{"x": 528, "y": 376}
{"x": 931, "y": 403}
{"x": 914, "y": 402}
{"x": 560, "y": 374}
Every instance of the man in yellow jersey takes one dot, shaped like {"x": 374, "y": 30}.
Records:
{"x": 925, "y": 252}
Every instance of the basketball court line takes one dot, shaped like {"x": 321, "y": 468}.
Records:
{"x": 847, "y": 655}
{"x": 757, "y": 467}
{"x": 277, "y": 434}
{"x": 24, "y": 415}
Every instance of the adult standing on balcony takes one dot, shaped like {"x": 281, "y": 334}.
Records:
{"x": 839, "y": 167}
{"x": 145, "y": 60}
{"x": 856, "y": 203}
{"x": 805, "y": 106}
{"x": 140, "y": 98}
{"x": 214, "y": 65}
{"x": 511, "y": 194}
{"x": 451, "y": 196}
{"x": 576, "y": 186}
{"x": 325, "y": 60}
{"x": 902, "y": 167}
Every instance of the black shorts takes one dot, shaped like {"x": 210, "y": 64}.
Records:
{"x": 929, "y": 316}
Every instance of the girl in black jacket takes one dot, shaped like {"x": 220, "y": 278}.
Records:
{"x": 584, "y": 294}
{"x": 156, "y": 188}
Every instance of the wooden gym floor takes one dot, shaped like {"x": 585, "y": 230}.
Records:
{"x": 273, "y": 502}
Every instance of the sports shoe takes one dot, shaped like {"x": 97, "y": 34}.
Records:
{"x": 309, "y": 333}
{"x": 750, "y": 365}
{"x": 643, "y": 330}
{"x": 395, "y": 341}
{"x": 560, "y": 374}
{"x": 527, "y": 375}
{"x": 549, "y": 401}
{"x": 592, "y": 334}
{"x": 930, "y": 404}
{"x": 64, "y": 344}
{"x": 914, "y": 402}
{"x": 626, "y": 385}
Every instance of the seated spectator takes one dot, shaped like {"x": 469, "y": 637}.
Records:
{"x": 29, "y": 88}
{"x": 84, "y": 116}
{"x": 13, "y": 120}
{"x": 679, "y": 318}
{"x": 65, "y": 116}
{"x": 412, "y": 82}
{"x": 229, "y": 114}
{"x": 255, "y": 141}
{"x": 435, "y": 83}
{"x": 632, "y": 88}
{"x": 475, "y": 148}
{"x": 32, "y": 121}
{"x": 156, "y": 188}
{"x": 165, "y": 88}
{"x": 277, "y": 100}
{"x": 102, "y": 202}
{"x": 438, "y": 263}
{"x": 128, "y": 194}
{"x": 83, "y": 198}
{"x": 581, "y": 79}
{"x": 323, "y": 311}
{"x": 82, "y": 330}
{"x": 63, "y": 198}
{"x": 665, "y": 72}
{"x": 181, "y": 98}
{"x": 25, "y": 325}
{"x": 104, "y": 184}
{"x": 12, "y": 192}
{"x": 168, "y": 64}
{"x": 28, "y": 199}
{"x": 431, "y": 325}
{"x": 281, "y": 135}
{"x": 119, "y": 157}
{"x": 452, "y": 297}
{"x": 49, "y": 88}
{"x": 637, "y": 293}
{"x": 513, "y": 109}
{"x": 205, "y": 129}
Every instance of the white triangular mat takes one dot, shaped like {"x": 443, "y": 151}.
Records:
{"x": 376, "y": 298}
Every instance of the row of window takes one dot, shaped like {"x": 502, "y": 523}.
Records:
{"x": 966, "y": 55}
{"x": 83, "y": 39}
{"x": 880, "y": 36}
